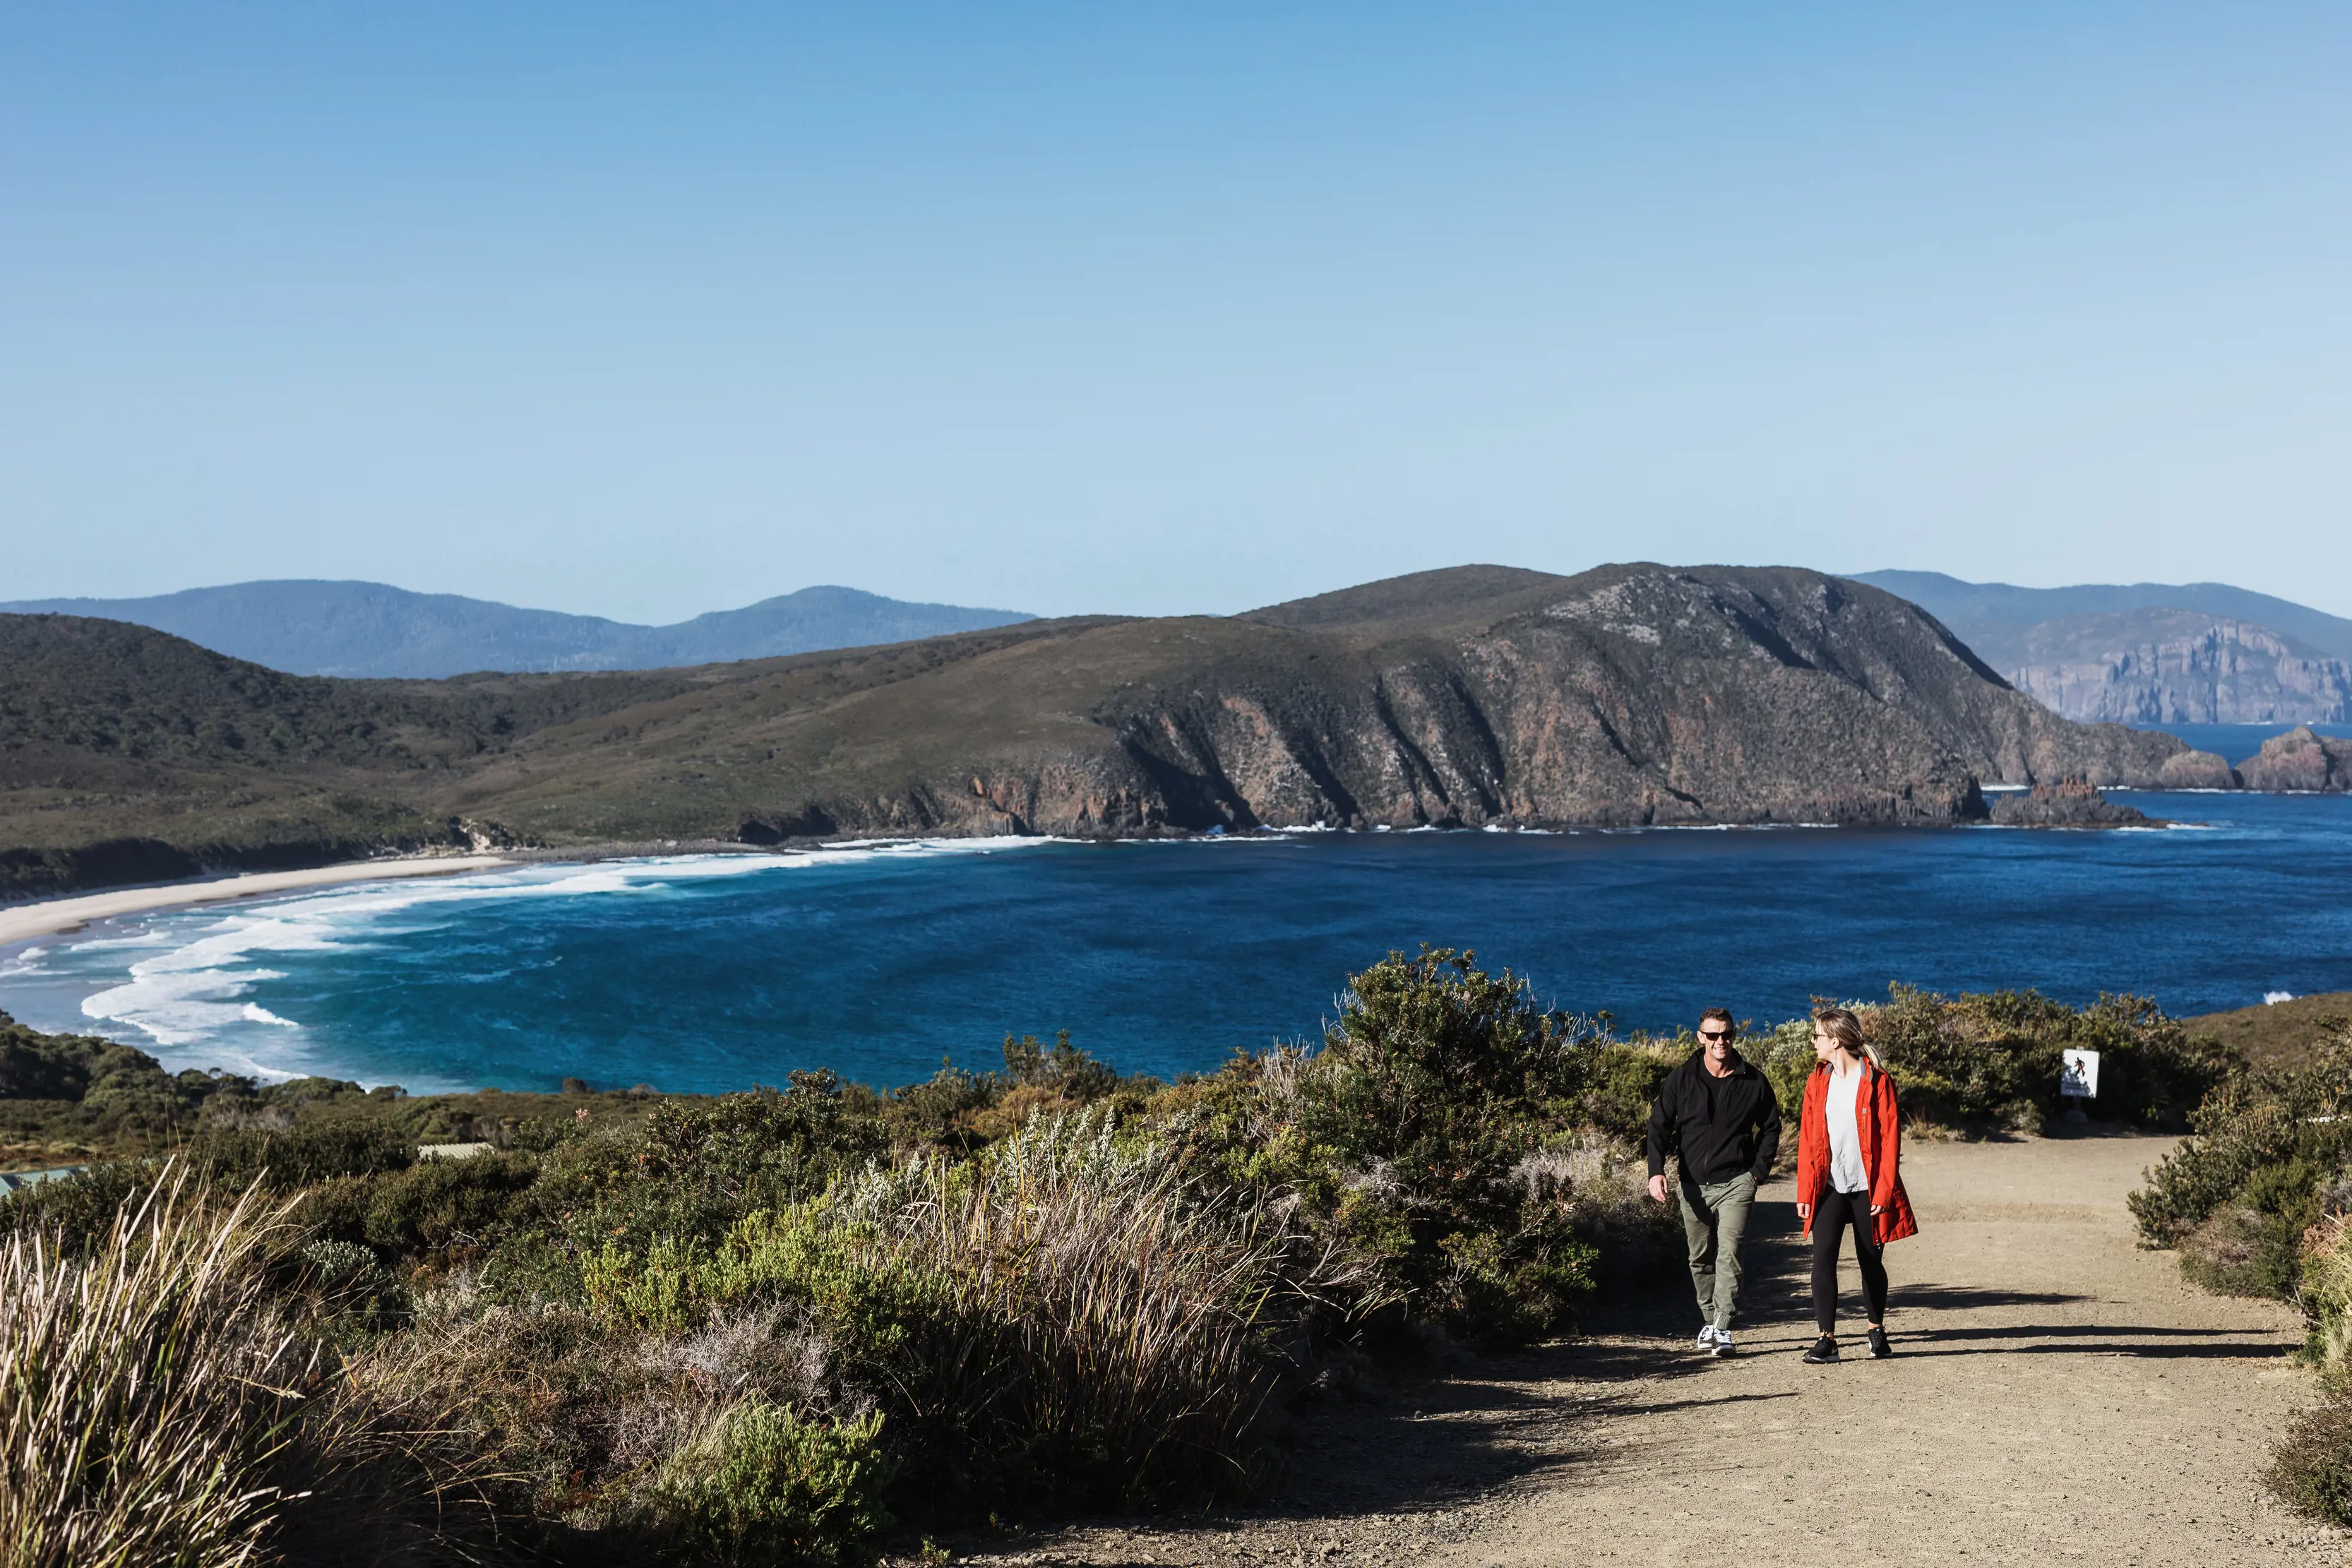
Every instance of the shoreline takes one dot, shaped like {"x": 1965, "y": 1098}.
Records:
{"x": 72, "y": 911}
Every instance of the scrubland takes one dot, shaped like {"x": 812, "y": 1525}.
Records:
{"x": 2257, "y": 1201}
{"x": 818, "y": 1322}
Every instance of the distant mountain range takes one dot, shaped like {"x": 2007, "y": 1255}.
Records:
{"x": 369, "y": 629}
{"x": 2148, "y": 654}
{"x": 1479, "y": 696}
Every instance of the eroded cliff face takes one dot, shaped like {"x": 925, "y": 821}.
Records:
{"x": 2172, "y": 666}
{"x": 1626, "y": 697}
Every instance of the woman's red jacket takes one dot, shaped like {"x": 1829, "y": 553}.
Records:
{"x": 1875, "y": 1117}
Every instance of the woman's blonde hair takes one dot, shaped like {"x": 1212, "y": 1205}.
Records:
{"x": 1842, "y": 1026}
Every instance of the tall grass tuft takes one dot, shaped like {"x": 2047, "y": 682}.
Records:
{"x": 144, "y": 1387}
{"x": 1133, "y": 1322}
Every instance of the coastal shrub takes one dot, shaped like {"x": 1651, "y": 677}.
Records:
{"x": 2242, "y": 1249}
{"x": 1995, "y": 1057}
{"x": 2326, "y": 1294}
{"x": 762, "y": 1485}
{"x": 1064, "y": 1070}
{"x": 1067, "y": 1319}
{"x": 1398, "y": 1140}
{"x": 285, "y": 1160}
{"x": 431, "y": 1208}
{"x": 1602, "y": 1184}
{"x": 694, "y": 1166}
{"x": 1623, "y": 1081}
{"x": 2311, "y": 1467}
{"x": 61, "y": 1094}
{"x": 1435, "y": 1080}
{"x": 76, "y": 1211}
{"x": 2264, "y": 1140}
{"x": 944, "y": 1112}
{"x": 1785, "y": 1057}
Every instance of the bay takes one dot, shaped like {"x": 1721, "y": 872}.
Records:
{"x": 714, "y": 973}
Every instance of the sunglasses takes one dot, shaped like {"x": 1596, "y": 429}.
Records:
{"x": 1711, "y": 1036}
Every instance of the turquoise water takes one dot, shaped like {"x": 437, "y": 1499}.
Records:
{"x": 717, "y": 972}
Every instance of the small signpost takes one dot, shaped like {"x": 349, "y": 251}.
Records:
{"x": 2078, "y": 1080}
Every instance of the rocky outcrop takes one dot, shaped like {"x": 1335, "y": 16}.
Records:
{"x": 2197, "y": 770}
{"x": 2169, "y": 666}
{"x": 2301, "y": 759}
{"x": 2069, "y": 803}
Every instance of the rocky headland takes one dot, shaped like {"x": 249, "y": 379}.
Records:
{"x": 1478, "y": 697}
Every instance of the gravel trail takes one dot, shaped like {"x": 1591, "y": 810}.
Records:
{"x": 2057, "y": 1395}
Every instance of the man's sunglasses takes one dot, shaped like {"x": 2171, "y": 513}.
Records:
{"x": 1711, "y": 1036}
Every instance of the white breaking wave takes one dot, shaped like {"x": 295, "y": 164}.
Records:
{"x": 188, "y": 981}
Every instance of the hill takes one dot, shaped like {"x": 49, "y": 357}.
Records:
{"x": 2200, "y": 653}
{"x": 1481, "y": 696}
{"x": 368, "y": 628}
{"x": 1967, "y": 606}
{"x": 2276, "y": 1034}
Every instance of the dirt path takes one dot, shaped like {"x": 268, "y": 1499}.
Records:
{"x": 2058, "y": 1394}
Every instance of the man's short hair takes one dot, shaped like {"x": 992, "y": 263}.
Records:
{"x": 1722, "y": 1016}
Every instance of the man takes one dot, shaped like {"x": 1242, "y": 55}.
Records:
{"x": 1719, "y": 1110}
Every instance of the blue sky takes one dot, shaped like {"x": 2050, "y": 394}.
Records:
{"x": 647, "y": 311}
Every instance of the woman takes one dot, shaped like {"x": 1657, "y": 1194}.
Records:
{"x": 1848, "y": 1142}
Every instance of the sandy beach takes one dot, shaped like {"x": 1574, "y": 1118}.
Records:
{"x": 50, "y": 917}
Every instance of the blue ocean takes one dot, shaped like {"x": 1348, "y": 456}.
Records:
{"x": 879, "y": 961}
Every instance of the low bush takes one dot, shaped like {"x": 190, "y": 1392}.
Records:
{"x": 2266, "y": 1142}
{"x": 1994, "y": 1058}
{"x": 2258, "y": 1202}
{"x": 2311, "y": 1468}
{"x": 761, "y": 1486}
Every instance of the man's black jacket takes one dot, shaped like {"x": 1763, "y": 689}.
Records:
{"x": 1724, "y": 1125}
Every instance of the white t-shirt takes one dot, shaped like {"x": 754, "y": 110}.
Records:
{"x": 1847, "y": 1173}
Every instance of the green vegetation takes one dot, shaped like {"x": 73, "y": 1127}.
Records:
{"x": 788, "y": 1326}
{"x": 2257, "y": 1201}
{"x": 780, "y": 1326}
{"x": 2278, "y": 1034}
{"x": 1988, "y": 1061}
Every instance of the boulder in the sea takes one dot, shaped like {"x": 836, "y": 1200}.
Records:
{"x": 2302, "y": 758}
{"x": 2197, "y": 770}
{"x": 2069, "y": 803}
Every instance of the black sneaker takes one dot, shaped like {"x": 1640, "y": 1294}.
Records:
{"x": 1824, "y": 1352}
{"x": 1879, "y": 1349}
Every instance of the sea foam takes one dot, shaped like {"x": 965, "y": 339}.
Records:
{"x": 188, "y": 982}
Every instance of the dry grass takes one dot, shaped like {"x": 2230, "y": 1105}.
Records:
{"x": 147, "y": 1388}
{"x": 1135, "y": 1310}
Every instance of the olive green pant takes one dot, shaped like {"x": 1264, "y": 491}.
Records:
{"x": 1715, "y": 1216}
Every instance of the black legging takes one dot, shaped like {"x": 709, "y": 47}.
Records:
{"x": 1832, "y": 1216}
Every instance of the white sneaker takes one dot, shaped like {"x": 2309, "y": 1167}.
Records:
{"x": 1722, "y": 1346}
{"x": 1706, "y": 1335}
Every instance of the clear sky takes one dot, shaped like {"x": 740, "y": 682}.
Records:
{"x": 645, "y": 311}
